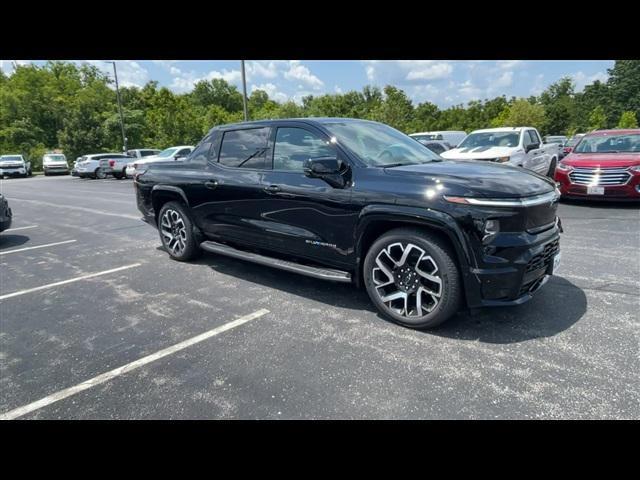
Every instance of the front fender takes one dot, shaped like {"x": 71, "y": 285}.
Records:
{"x": 404, "y": 215}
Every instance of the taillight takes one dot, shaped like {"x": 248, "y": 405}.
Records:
{"x": 112, "y": 163}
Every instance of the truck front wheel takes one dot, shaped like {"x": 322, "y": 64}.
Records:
{"x": 412, "y": 278}
{"x": 177, "y": 232}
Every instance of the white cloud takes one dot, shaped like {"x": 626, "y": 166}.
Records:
{"x": 505, "y": 80}
{"x": 509, "y": 64}
{"x": 7, "y": 66}
{"x": 261, "y": 69}
{"x": 130, "y": 73}
{"x": 406, "y": 72}
{"x": 428, "y": 70}
{"x": 301, "y": 73}
{"x": 337, "y": 89}
{"x": 272, "y": 91}
{"x": 582, "y": 80}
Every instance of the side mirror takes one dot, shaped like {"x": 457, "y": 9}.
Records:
{"x": 321, "y": 166}
{"x": 179, "y": 157}
{"x": 325, "y": 168}
{"x": 531, "y": 146}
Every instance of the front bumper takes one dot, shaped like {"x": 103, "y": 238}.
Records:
{"x": 5, "y": 219}
{"x": 627, "y": 192}
{"x": 13, "y": 172}
{"x": 56, "y": 169}
{"x": 516, "y": 267}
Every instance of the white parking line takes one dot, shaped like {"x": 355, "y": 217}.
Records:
{"x": 20, "y": 228}
{"x": 64, "y": 282}
{"x": 80, "y": 209}
{"x": 105, "y": 377}
{"x": 37, "y": 246}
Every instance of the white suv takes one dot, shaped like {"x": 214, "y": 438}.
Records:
{"x": 14, "y": 166}
{"x": 97, "y": 165}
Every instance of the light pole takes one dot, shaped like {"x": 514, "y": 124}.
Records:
{"x": 124, "y": 136}
{"x": 244, "y": 91}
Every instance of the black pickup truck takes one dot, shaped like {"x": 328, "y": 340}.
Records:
{"x": 357, "y": 201}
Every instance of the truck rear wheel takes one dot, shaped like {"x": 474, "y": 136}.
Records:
{"x": 412, "y": 278}
{"x": 177, "y": 232}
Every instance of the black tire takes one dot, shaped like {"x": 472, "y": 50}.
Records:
{"x": 444, "y": 305}
{"x": 552, "y": 168}
{"x": 117, "y": 176}
{"x": 188, "y": 238}
{"x": 99, "y": 174}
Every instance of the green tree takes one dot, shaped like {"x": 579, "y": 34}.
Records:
{"x": 628, "y": 120}
{"x": 521, "y": 113}
{"x": 597, "y": 119}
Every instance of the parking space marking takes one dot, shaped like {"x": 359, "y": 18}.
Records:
{"x": 36, "y": 246}
{"x": 20, "y": 228}
{"x": 80, "y": 209}
{"x": 105, "y": 377}
{"x": 64, "y": 282}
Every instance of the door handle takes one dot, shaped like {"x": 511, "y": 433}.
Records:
{"x": 272, "y": 189}
{"x": 213, "y": 183}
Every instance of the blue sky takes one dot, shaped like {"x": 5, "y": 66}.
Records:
{"x": 441, "y": 82}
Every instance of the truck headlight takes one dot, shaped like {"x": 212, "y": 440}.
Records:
{"x": 635, "y": 169}
{"x": 502, "y": 159}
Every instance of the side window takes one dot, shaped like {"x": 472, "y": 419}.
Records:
{"x": 436, "y": 147}
{"x": 296, "y": 145}
{"x": 244, "y": 148}
{"x": 184, "y": 151}
{"x": 147, "y": 153}
{"x": 534, "y": 137}
{"x": 201, "y": 154}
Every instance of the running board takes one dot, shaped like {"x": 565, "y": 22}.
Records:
{"x": 315, "y": 272}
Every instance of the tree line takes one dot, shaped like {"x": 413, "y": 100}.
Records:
{"x": 62, "y": 105}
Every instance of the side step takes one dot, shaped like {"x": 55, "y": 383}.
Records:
{"x": 315, "y": 272}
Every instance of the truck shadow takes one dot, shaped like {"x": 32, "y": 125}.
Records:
{"x": 7, "y": 240}
{"x": 556, "y": 307}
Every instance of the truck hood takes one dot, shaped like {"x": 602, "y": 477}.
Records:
{"x": 6, "y": 163}
{"x": 478, "y": 179}
{"x": 478, "y": 153}
{"x": 602, "y": 159}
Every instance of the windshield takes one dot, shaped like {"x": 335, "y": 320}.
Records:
{"x": 572, "y": 141}
{"x": 167, "y": 152}
{"x": 626, "y": 143}
{"x": 491, "y": 139}
{"x": 10, "y": 158}
{"x": 54, "y": 158}
{"x": 379, "y": 145}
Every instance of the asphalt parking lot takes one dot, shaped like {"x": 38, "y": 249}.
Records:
{"x": 300, "y": 348}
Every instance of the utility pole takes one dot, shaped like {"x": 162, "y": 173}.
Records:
{"x": 244, "y": 92}
{"x": 124, "y": 137}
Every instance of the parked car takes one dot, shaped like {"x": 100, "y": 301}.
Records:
{"x": 560, "y": 140}
{"x": 605, "y": 164}
{"x": 54, "y": 163}
{"x": 92, "y": 166}
{"x": 358, "y": 201}
{"x": 5, "y": 214}
{"x": 452, "y": 137}
{"x": 436, "y": 146}
{"x": 116, "y": 165}
{"x": 517, "y": 146}
{"x": 167, "y": 155}
{"x": 572, "y": 142}
{"x": 14, "y": 166}
{"x": 143, "y": 152}
{"x": 74, "y": 170}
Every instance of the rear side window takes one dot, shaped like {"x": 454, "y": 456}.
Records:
{"x": 201, "y": 154}
{"x": 148, "y": 153}
{"x": 244, "y": 148}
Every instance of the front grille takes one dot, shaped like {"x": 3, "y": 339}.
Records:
{"x": 11, "y": 165}
{"x": 543, "y": 259}
{"x": 604, "y": 176}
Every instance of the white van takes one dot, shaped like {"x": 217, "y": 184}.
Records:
{"x": 452, "y": 137}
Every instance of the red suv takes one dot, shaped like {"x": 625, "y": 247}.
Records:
{"x": 605, "y": 164}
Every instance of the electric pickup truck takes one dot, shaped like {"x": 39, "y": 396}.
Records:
{"x": 517, "y": 146}
{"x": 357, "y": 201}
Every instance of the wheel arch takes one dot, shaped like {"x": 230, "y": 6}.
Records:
{"x": 376, "y": 221}
{"x": 161, "y": 194}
